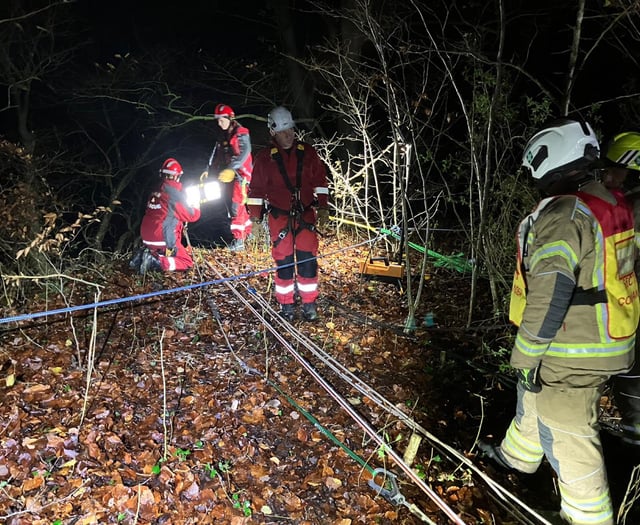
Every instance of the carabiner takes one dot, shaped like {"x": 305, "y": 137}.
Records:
{"x": 392, "y": 494}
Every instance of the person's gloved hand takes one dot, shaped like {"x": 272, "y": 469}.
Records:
{"x": 170, "y": 252}
{"x": 227, "y": 175}
{"x": 322, "y": 217}
{"x": 204, "y": 175}
{"x": 529, "y": 378}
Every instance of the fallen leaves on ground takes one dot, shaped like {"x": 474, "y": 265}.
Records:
{"x": 177, "y": 420}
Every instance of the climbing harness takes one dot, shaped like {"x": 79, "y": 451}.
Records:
{"x": 296, "y": 208}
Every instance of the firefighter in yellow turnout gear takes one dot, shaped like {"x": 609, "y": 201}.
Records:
{"x": 575, "y": 302}
{"x": 622, "y": 171}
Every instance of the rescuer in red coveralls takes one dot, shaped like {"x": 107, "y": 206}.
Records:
{"x": 290, "y": 183}
{"x": 161, "y": 229}
{"x": 231, "y": 159}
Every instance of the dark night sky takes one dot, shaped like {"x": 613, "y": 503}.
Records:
{"x": 213, "y": 25}
{"x": 236, "y": 28}
{"x": 226, "y": 27}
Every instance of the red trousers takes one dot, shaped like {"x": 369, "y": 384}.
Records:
{"x": 294, "y": 247}
{"x": 180, "y": 261}
{"x": 240, "y": 221}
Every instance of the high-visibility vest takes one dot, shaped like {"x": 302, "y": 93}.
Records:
{"x": 614, "y": 291}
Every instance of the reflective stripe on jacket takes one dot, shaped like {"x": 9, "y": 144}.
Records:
{"x": 268, "y": 185}
{"x": 574, "y": 295}
{"x": 165, "y": 214}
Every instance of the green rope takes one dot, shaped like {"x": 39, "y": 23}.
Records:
{"x": 454, "y": 262}
{"x": 393, "y": 495}
{"x": 326, "y": 432}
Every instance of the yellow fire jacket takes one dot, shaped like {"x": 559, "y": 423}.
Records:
{"x": 575, "y": 293}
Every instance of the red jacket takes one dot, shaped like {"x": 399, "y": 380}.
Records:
{"x": 235, "y": 152}
{"x": 269, "y": 186}
{"x": 165, "y": 214}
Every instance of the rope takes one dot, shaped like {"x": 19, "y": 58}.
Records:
{"x": 363, "y": 423}
{"x": 337, "y": 367}
{"x": 351, "y": 379}
{"x": 392, "y": 495}
{"x": 166, "y": 291}
{"x": 455, "y": 262}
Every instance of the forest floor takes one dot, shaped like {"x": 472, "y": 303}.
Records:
{"x": 175, "y": 403}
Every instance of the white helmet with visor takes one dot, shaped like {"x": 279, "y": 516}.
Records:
{"x": 566, "y": 146}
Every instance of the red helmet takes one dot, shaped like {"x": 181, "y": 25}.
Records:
{"x": 171, "y": 169}
{"x": 222, "y": 110}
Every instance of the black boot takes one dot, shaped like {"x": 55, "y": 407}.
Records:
{"x": 135, "y": 261}
{"x": 287, "y": 312}
{"x": 150, "y": 263}
{"x": 309, "y": 311}
{"x": 494, "y": 453}
{"x": 237, "y": 245}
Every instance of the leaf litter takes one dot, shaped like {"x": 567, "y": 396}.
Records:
{"x": 175, "y": 428}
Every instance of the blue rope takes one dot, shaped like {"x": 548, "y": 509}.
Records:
{"x": 24, "y": 317}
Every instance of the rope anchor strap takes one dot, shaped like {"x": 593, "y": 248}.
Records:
{"x": 390, "y": 491}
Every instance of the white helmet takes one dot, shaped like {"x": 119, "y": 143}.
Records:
{"x": 564, "y": 146}
{"x": 279, "y": 119}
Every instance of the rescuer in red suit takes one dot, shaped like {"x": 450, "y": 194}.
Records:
{"x": 161, "y": 229}
{"x": 290, "y": 184}
{"x": 231, "y": 159}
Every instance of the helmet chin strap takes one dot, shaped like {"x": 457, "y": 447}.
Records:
{"x": 587, "y": 178}
{"x": 563, "y": 183}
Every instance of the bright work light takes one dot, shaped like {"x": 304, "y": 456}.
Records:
{"x": 211, "y": 190}
{"x": 200, "y": 193}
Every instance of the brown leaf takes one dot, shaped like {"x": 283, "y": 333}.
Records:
{"x": 94, "y": 451}
{"x": 314, "y": 479}
{"x": 259, "y": 471}
{"x": 34, "y": 482}
{"x": 292, "y": 502}
{"x": 192, "y": 491}
{"x": 332, "y": 483}
{"x": 36, "y": 389}
{"x": 255, "y": 417}
{"x": 302, "y": 435}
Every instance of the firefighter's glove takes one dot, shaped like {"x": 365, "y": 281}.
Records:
{"x": 227, "y": 175}
{"x": 170, "y": 252}
{"x": 205, "y": 174}
{"x": 322, "y": 217}
{"x": 529, "y": 378}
